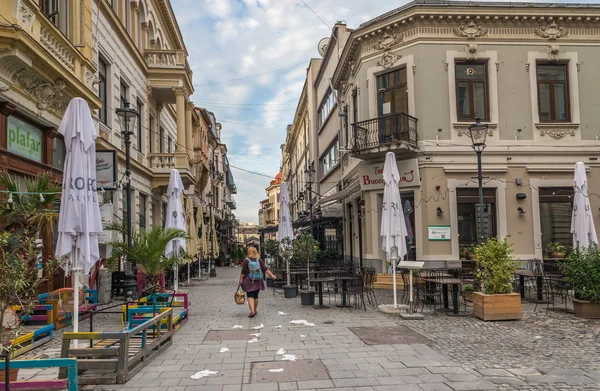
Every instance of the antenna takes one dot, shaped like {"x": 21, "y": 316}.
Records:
{"x": 322, "y": 46}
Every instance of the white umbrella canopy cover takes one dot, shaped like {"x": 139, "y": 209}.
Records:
{"x": 285, "y": 229}
{"x": 393, "y": 226}
{"x": 192, "y": 246}
{"x": 175, "y": 217}
{"x": 79, "y": 220}
{"x": 204, "y": 250}
{"x": 582, "y": 221}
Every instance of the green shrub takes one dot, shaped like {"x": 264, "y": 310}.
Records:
{"x": 495, "y": 266}
{"x": 581, "y": 269}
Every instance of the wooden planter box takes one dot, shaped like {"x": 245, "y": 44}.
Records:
{"x": 586, "y": 309}
{"x": 505, "y": 306}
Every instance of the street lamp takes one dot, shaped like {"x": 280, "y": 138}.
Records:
{"x": 127, "y": 117}
{"x": 478, "y": 133}
{"x": 211, "y": 267}
{"x": 310, "y": 171}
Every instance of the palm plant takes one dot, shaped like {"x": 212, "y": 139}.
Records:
{"x": 147, "y": 251}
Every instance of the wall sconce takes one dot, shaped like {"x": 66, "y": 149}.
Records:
{"x": 521, "y": 196}
{"x": 440, "y": 211}
{"x": 521, "y": 211}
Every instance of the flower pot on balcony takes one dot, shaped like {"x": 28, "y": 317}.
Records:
{"x": 307, "y": 297}
{"x": 586, "y": 309}
{"x": 503, "y": 306}
{"x": 290, "y": 291}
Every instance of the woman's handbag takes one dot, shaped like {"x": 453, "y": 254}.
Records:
{"x": 239, "y": 296}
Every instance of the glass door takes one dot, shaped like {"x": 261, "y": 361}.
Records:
{"x": 392, "y": 100}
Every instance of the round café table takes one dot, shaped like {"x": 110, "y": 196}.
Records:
{"x": 320, "y": 281}
{"x": 344, "y": 280}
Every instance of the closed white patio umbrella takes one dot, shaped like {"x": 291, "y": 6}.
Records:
{"x": 192, "y": 231}
{"x": 393, "y": 226}
{"x": 79, "y": 220}
{"x": 175, "y": 219}
{"x": 285, "y": 229}
{"x": 582, "y": 221}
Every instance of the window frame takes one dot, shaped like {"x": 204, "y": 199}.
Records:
{"x": 123, "y": 91}
{"x": 140, "y": 108}
{"x": 333, "y": 147}
{"x": 486, "y": 86}
{"x": 326, "y": 108}
{"x": 143, "y": 221}
{"x": 552, "y": 83}
{"x": 161, "y": 141}
{"x": 103, "y": 89}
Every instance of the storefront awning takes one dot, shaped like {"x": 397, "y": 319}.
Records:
{"x": 340, "y": 195}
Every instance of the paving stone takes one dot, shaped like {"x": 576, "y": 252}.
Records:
{"x": 367, "y": 381}
{"x": 388, "y": 335}
{"x": 494, "y": 372}
{"x": 434, "y": 387}
{"x": 301, "y": 370}
{"x": 471, "y": 386}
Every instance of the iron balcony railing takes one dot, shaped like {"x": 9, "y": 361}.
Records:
{"x": 383, "y": 130}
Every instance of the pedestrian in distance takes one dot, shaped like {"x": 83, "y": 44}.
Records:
{"x": 253, "y": 273}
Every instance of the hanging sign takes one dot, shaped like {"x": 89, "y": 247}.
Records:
{"x": 24, "y": 140}
{"x": 371, "y": 175}
{"x": 106, "y": 214}
{"x": 439, "y": 232}
{"x": 333, "y": 210}
{"x": 106, "y": 169}
{"x": 330, "y": 232}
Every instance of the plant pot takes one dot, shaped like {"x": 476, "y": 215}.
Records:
{"x": 557, "y": 254}
{"x": 468, "y": 296}
{"x": 269, "y": 283}
{"x": 505, "y": 306}
{"x": 586, "y": 309}
{"x": 307, "y": 297}
{"x": 290, "y": 291}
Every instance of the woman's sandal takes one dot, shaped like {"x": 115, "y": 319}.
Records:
{"x": 252, "y": 315}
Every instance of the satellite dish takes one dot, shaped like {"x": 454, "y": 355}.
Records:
{"x": 322, "y": 46}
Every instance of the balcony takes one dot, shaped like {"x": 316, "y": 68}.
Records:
{"x": 162, "y": 164}
{"x": 232, "y": 205}
{"x": 167, "y": 69}
{"x": 375, "y": 137}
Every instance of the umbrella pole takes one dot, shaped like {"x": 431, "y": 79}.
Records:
{"x": 176, "y": 278}
{"x": 75, "y": 277}
{"x": 394, "y": 279}
{"x": 411, "y": 290}
{"x": 189, "y": 272}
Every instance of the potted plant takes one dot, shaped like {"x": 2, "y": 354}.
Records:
{"x": 147, "y": 251}
{"x": 471, "y": 253}
{"x": 467, "y": 292}
{"x": 581, "y": 269}
{"x": 494, "y": 272}
{"x": 286, "y": 250}
{"x": 25, "y": 219}
{"x": 555, "y": 250}
{"x": 305, "y": 250}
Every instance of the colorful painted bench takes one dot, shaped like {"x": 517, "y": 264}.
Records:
{"x": 148, "y": 306}
{"x": 62, "y": 302}
{"x": 37, "y": 328}
{"x": 68, "y": 382}
{"x": 115, "y": 357}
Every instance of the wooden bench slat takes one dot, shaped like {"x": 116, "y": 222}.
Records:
{"x": 55, "y": 384}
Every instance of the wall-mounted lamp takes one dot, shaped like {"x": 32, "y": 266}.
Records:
{"x": 521, "y": 211}
{"x": 521, "y": 196}
{"x": 440, "y": 211}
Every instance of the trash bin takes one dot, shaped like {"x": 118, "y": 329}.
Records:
{"x": 130, "y": 288}
{"x": 104, "y": 286}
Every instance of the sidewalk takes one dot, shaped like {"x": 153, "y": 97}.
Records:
{"x": 440, "y": 353}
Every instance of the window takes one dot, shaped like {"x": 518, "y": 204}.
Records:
{"x": 151, "y": 133}
{"x": 58, "y": 153}
{"x": 472, "y": 91}
{"x": 123, "y": 90}
{"x": 468, "y": 215}
{"x": 169, "y": 144}
{"x": 556, "y": 209}
{"x": 143, "y": 206}
{"x": 164, "y": 214}
{"x": 58, "y": 13}
{"x": 355, "y": 106}
{"x": 553, "y": 92}
{"x": 327, "y": 105}
{"x": 140, "y": 127}
{"x": 161, "y": 141}
{"x": 329, "y": 158}
{"x": 102, "y": 93}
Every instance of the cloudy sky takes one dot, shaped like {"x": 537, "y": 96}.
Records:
{"x": 249, "y": 59}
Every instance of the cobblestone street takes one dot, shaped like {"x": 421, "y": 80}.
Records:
{"x": 541, "y": 352}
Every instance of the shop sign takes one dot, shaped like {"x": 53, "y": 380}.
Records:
{"x": 330, "y": 232}
{"x": 371, "y": 175}
{"x": 106, "y": 169}
{"x": 333, "y": 210}
{"x": 439, "y": 232}
{"x": 24, "y": 140}
{"x": 106, "y": 214}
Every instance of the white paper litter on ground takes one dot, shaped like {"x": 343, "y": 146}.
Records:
{"x": 302, "y": 322}
{"x": 538, "y": 336}
{"x": 253, "y": 340}
{"x": 223, "y": 350}
{"x": 302, "y": 336}
{"x": 289, "y": 357}
{"x": 255, "y": 335}
{"x": 237, "y": 326}
{"x": 277, "y": 327}
{"x": 276, "y": 370}
{"x": 260, "y": 326}
{"x": 280, "y": 352}
{"x": 204, "y": 373}
{"x": 281, "y": 313}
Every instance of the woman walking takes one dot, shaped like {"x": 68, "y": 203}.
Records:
{"x": 251, "y": 279}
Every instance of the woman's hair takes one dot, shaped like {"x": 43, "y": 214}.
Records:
{"x": 252, "y": 253}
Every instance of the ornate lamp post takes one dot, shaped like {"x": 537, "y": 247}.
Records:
{"x": 310, "y": 171}
{"x": 211, "y": 261}
{"x": 478, "y": 133}
{"x": 127, "y": 117}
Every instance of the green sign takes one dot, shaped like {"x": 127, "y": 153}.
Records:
{"x": 439, "y": 232}
{"x": 24, "y": 139}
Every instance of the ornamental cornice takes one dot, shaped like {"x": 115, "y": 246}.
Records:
{"x": 557, "y": 134}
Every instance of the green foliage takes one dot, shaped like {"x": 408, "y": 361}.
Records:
{"x": 147, "y": 250}
{"x": 581, "y": 269}
{"x": 305, "y": 247}
{"x": 554, "y": 247}
{"x": 326, "y": 257}
{"x": 495, "y": 265}
{"x": 468, "y": 288}
{"x": 370, "y": 269}
{"x": 272, "y": 248}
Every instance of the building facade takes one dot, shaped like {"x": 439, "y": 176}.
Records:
{"x": 412, "y": 82}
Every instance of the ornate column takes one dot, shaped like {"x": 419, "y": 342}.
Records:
{"x": 144, "y": 36}
{"x": 180, "y": 97}
{"x": 189, "y": 142}
{"x": 134, "y": 21}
